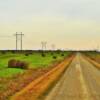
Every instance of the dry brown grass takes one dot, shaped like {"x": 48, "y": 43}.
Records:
{"x": 94, "y": 61}
{"x": 41, "y": 84}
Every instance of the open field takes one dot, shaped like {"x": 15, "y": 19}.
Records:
{"x": 14, "y": 79}
{"x": 80, "y": 80}
{"x": 36, "y": 90}
{"x": 51, "y": 76}
{"x": 35, "y": 59}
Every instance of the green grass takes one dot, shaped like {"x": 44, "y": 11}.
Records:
{"x": 35, "y": 60}
{"x": 93, "y": 54}
{"x": 8, "y": 72}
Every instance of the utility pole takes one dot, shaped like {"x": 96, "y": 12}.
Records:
{"x": 21, "y": 40}
{"x": 43, "y": 45}
{"x": 16, "y": 40}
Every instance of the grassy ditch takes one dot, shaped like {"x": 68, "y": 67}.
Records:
{"x": 39, "y": 86}
{"x": 93, "y": 57}
{"x": 13, "y": 80}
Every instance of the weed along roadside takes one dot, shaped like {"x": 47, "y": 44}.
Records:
{"x": 93, "y": 61}
{"x": 17, "y": 70}
{"x": 39, "y": 86}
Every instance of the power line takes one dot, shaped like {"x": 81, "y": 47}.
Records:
{"x": 21, "y": 40}
{"x": 43, "y": 43}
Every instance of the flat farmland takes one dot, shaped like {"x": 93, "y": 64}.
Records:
{"x": 79, "y": 79}
{"x": 35, "y": 60}
{"x": 13, "y": 79}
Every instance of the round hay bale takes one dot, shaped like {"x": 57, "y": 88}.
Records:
{"x": 12, "y": 63}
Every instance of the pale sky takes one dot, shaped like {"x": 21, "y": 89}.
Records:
{"x": 65, "y": 23}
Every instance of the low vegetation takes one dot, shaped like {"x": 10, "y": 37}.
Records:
{"x": 18, "y": 64}
{"x": 19, "y": 68}
{"x": 94, "y": 55}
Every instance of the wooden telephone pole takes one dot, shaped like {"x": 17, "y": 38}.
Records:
{"x": 19, "y": 35}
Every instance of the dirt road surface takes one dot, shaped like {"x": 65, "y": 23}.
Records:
{"x": 81, "y": 81}
{"x": 38, "y": 87}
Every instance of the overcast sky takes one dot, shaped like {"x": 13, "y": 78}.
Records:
{"x": 65, "y": 23}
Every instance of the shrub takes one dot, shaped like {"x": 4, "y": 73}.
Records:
{"x": 58, "y": 51}
{"x": 62, "y": 54}
{"x": 12, "y": 63}
{"x": 26, "y": 54}
{"x": 43, "y": 55}
{"x": 24, "y": 65}
{"x": 13, "y": 51}
{"x": 52, "y": 53}
{"x": 54, "y": 57}
{"x": 3, "y": 52}
{"x": 18, "y": 64}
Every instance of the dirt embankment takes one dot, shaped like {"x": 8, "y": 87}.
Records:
{"x": 36, "y": 88}
{"x": 94, "y": 62}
